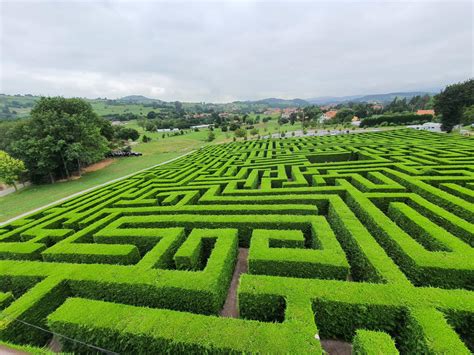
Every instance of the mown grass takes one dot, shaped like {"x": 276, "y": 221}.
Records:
{"x": 154, "y": 152}
{"x": 157, "y": 151}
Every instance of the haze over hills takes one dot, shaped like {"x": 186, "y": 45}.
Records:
{"x": 138, "y": 99}
{"x": 380, "y": 98}
{"x": 27, "y": 101}
{"x": 323, "y": 100}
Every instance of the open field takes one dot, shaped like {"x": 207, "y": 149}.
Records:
{"x": 300, "y": 245}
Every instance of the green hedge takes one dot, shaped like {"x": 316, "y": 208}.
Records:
{"x": 169, "y": 331}
{"x": 367, "y": 342}
{"x": 399, "y": 119}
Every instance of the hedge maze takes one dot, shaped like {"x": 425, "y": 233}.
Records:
{"x": 364, "y": 238}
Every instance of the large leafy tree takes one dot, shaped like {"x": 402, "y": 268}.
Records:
{"x": 61, "y": 136}
{"x": 343, "y": 115}
{"x": 452, "y": 101}
{"x": 10, "y": 169}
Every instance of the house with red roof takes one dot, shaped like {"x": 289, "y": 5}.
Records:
{"x": 425, "y": 112}
{"x": 328, "y": 115}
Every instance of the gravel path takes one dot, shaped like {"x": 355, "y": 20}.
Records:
{"x": 231, "y": 308}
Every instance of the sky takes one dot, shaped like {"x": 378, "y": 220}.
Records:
{"x": 221, "y": 51}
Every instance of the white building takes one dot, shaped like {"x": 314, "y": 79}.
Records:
{"x": 427, "y": 126}
{"x": 168, "y": 130}
{"x": 202, "y": 126}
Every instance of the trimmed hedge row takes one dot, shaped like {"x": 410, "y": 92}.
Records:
{"x": 368, "y": 342}
{"x": 396, "y": 119}
{"x": 423, "y": 268}
{"x": 169, "y": 331}
{"x": 271, "y": 254}
{"x": 344, "y": 232}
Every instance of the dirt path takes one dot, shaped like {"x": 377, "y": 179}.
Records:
{"x": 97, "y": 166}
{"x": 231, "y": 308}
{"x": 336, "y": 347}
{"x": 4, "y": 350}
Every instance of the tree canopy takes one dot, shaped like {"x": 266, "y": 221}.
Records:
{"x": 452, "y": 102}
{"x": 10, "y": 169}
{"x": 61, "y": 136}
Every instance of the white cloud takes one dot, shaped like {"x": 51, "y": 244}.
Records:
{"x": 220, "y": 51}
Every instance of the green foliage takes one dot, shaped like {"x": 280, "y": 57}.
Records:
{"x": 211, "y": 136}
{"x": 61, "y": 136}
{"x": 343, "y": 115}
{"x": 368, "y": 342}
{"x": 358, "y": 237}
{"x": 468, "y": 115}
{"x": 10, "y": 169}
{"x": 146, "y": 139}
{"x": 126, "y": 133}
{"x": 240, "y": 133}
{"x": 399, "y": 119}
{"x": 451, "y": 102}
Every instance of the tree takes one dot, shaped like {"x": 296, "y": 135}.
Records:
{"x": 146, "y": 139}
{"x": 450, "y": 103}
{"x": 343, "y": 115}
{"x": 151, "y": 115}
{"x": 468, "y": 115}
{"x": 216, "y": 118}
{"x": 211, "y": 136}
{"x": 150, "y": 126}
{"x": 397, "y": 105}
{"x": 178, "y": 106}
{"x": 126, "y": 133}
{"x": 61, "y": 135}
{"x": 312, "y": 113}
{"x": 254, "y": 132}
{"x": 107, "y": 130}
{"x": 240, "y": 132}
{"x": 293, "y": 118}
{"x": 142, "y": 121}
{"x": 10, "y": 169}
{"x": 233, "y": 126}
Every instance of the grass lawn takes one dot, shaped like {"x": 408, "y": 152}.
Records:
{"x": 157, "y": 151}
{"x": 154, "y": 152}
{"x": 101, "y": 108}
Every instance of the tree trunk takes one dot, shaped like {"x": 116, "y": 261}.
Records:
{"x": 14, "y": 185}
{"x": 79, "y": 166}
{"x": 51, "y": 177}
{"x": 65, "y": 166}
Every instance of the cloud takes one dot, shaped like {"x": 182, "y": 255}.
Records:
{"x": 220, "y": 51}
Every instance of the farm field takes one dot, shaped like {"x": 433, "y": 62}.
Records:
{"x": 361, "y": 242}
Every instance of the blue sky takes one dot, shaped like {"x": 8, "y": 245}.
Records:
{"x": 229, "y": 50}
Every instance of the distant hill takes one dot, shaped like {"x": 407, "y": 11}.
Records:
{"x": 19, "y": 106}
{"x": 379, "y": 98}
{"x": 137, "y": 99}
{"x": 275, "y": 102}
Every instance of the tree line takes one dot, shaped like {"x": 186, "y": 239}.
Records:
{"x": 60, "y": 137}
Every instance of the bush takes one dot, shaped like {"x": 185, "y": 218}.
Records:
{"x": 398, "y": 119}
{"x": 126, "y": 133}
